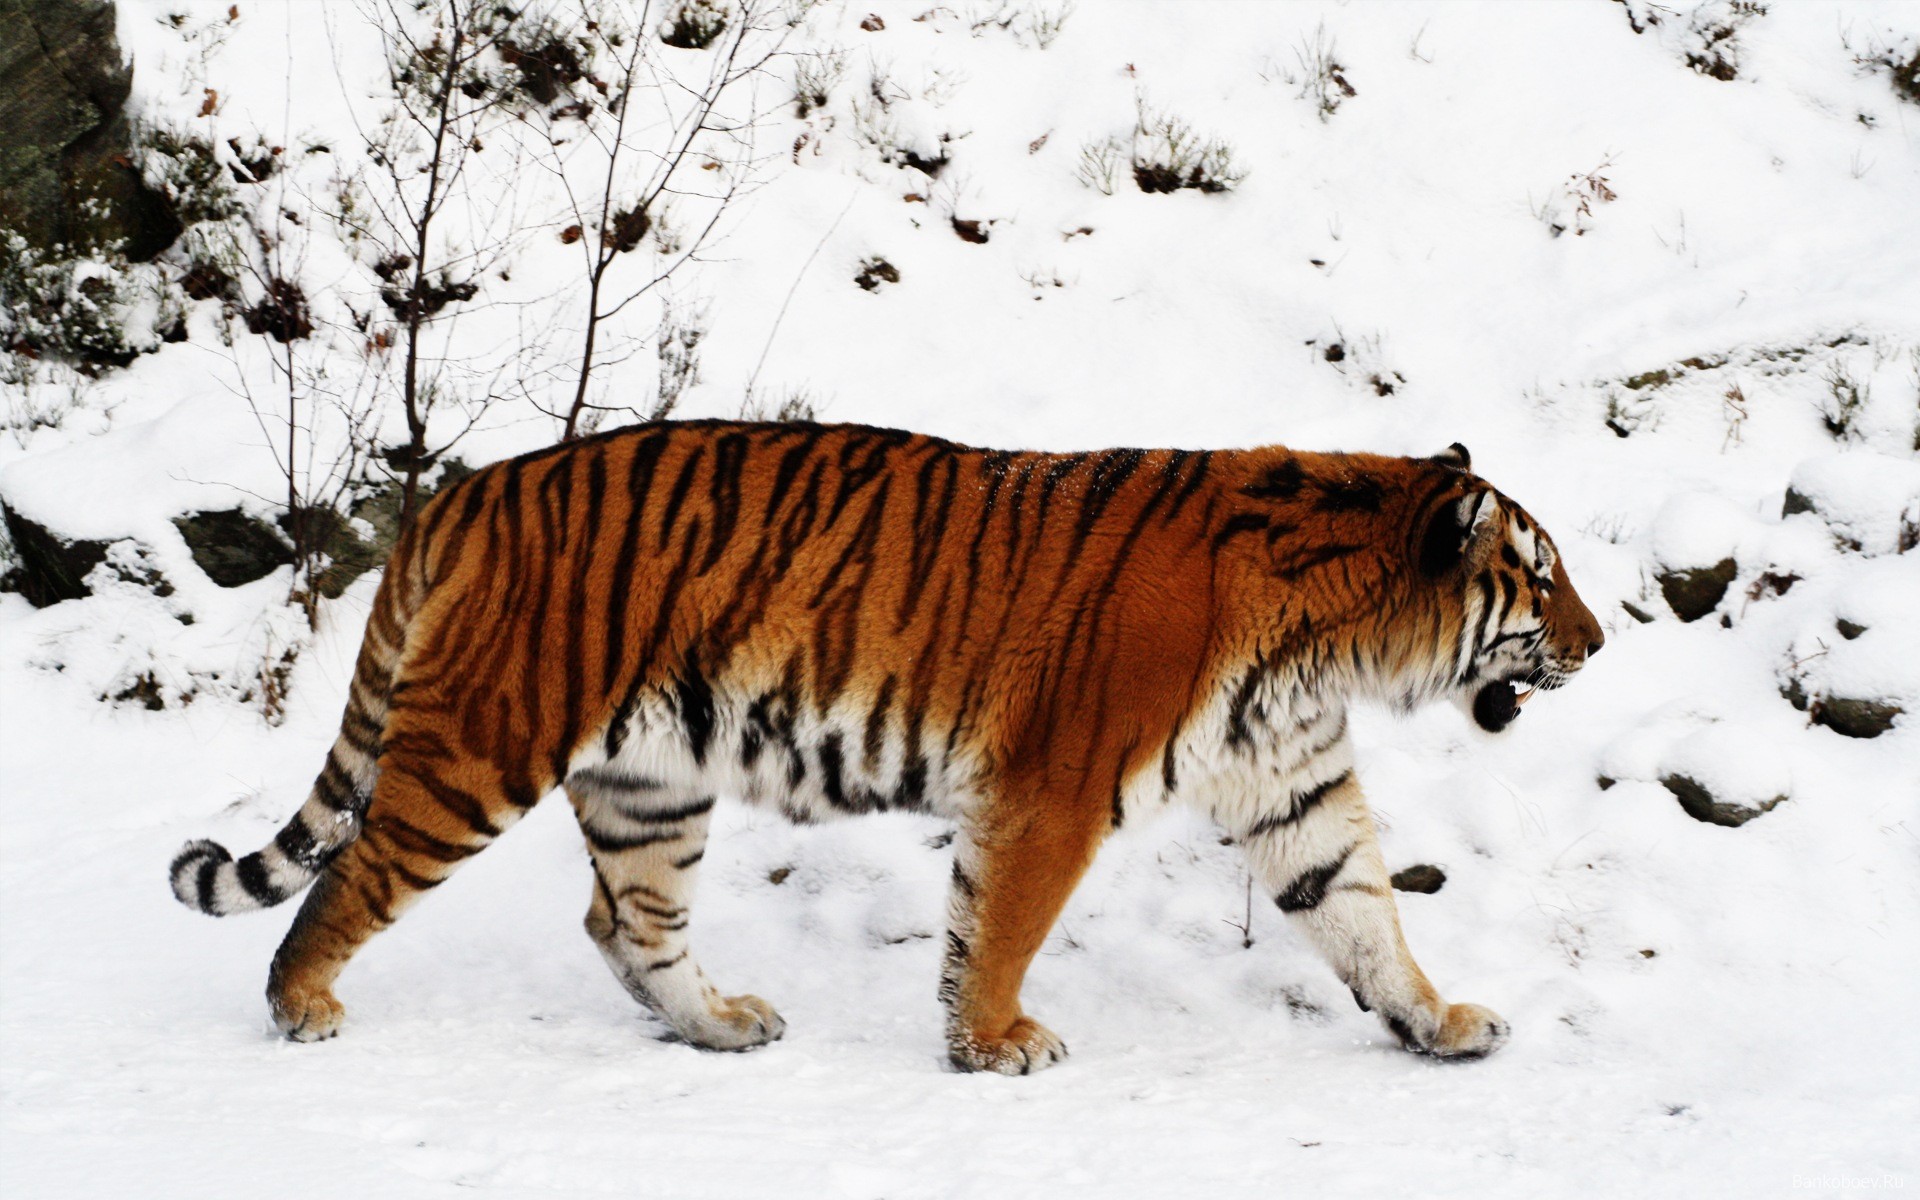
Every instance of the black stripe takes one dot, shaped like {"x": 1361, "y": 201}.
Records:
{"x": 1486, "y": 613}
{"x": 463, "y": 804}
{"x": 678, "y": 495}
{"x": 354, "y": 733}
{"x": 297, "y": 842}
{"x": 1110, "y": 472}
{"x": 252, "y": 874}
{"x": 830, "y": 766}
{"x": 419, "y": 883}
{"x": 1238, "y": 735}
{"x": 788, "y": 470}
{"x": 1237, "y": 524}
{"x": 1360, "y": 493}
{"x": 1203, "y": 462}
{"x": 1318, "y": 557}
{"x": 723, "y": 491}
{"x": 1302, "y": 804}
{"x": 203, "y": 883}
{"x": 875, "y": 739}
{"x": 1279, "y": 483}
{"x": 693, "y": 808}
{"x": 646, "y": 457}
{"x": 608, "y": 843}
{"x": 1306, "y": 892}
{"x": 681, "y": 864}
{"x": 335, "y": 787}
{"x": 694, "y": 696}
{"x": 929, "y": 529}
{"x": 413, "y": 839}
{"x": 862, "y": 458}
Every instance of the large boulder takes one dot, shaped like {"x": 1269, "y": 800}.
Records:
{"x": 47, "y": 568}
{"x": 64, "y": 133}
{"x": 232, "y": 547}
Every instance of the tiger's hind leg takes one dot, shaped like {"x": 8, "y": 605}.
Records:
{"x": 1319, "y": 859}
{"x": 428, "y": 815}
{"x": 646, "y": 844}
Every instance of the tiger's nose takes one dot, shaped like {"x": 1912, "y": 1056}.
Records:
{"x": 1599, "y": 640}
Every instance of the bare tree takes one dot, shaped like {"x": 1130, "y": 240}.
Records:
{"x": 458, "y": 72}
{"x": 656, "y": 159}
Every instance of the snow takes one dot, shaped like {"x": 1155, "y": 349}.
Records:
{"x": 1720, "y": 1011}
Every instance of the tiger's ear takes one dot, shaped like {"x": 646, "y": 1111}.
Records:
{"x": 1454, "y": 456}
{"x": 1452, "y": 530}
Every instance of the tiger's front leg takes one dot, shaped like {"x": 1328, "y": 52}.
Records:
{"x": 1013, "y": 868}
{"x": 646, "y": 845}
{"x": 1318, "y": 857}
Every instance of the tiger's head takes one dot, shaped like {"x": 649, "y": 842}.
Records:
{"x": 1522, "y": 625}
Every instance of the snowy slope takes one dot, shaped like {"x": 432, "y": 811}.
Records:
{"x": 1725, "y": 1011}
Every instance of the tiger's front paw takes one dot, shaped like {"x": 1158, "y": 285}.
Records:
{"x": 1026, "y": 1047}
{"x": 1469, "y": 1031}
{"x": 306, "y": 1016}
{"x": 736, "y": 1023}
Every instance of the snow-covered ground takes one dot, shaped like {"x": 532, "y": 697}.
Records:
{"x": 1697, "y": 1008}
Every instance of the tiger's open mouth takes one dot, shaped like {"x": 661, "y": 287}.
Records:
{"x": 1497, "y": 705}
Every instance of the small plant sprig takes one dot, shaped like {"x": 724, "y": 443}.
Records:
{"x": 1572, "y": 206}
{"x": 1168, "y": 156}
{"x": 1733, "y": 404}
{"x": 1845, "y": 401}
{"x": 1322, "y": 77}
{"x": 1099, "y": 165}
{"x": 815, "y": 75}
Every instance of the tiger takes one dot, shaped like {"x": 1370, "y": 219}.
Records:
{"x": 1041, "y": 648}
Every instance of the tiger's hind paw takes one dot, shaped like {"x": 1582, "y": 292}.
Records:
{"x": 1026, "y": 1047}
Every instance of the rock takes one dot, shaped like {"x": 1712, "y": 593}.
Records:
{"x": 1692, "y": 593}
{"x": 232, "y": 547}
{"x": 47, "y": 567}
{"x": 1422, "y": 877}
{"x": 1855, "y": 718}
{"x": 64, "y": 134}
{"x": 1701, "y": 804}
{"x": 1636, "y": 612}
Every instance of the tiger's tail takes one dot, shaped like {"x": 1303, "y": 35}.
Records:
{"x": 206, "y": 876}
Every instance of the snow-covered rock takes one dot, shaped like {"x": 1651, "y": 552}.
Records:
{"x": 1870, "y": 501}
{"x": 1726, "y": 775}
